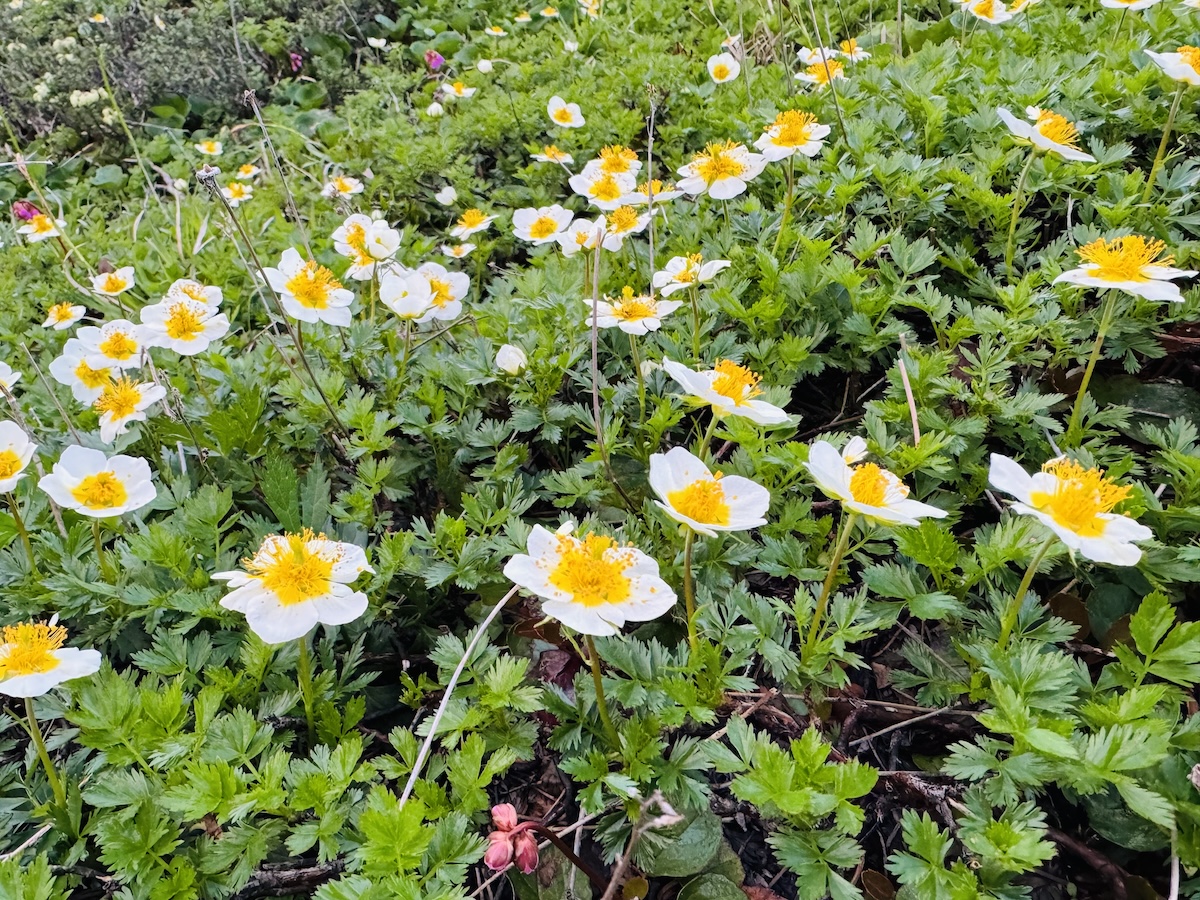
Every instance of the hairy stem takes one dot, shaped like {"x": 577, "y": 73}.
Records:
{"x": 1013, "y": 610}
{"x": 601, "y": 703}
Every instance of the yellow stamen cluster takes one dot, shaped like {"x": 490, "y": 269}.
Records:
{"x": 1124, "y": 258}
{"x": 10, "y": 464}
{"x": 118, "y": 345}
{"x": 92, "y": 378}
{"x": 633, "y": 309}
{"x": 563, "y": 116}
{"x": 30, "y": 648}
{"x": 825, "y": 72}
{"x": 1054, "y": 127}
{"x": 61, "y": 312}
{"x": 716, "y": 161}
{"x": 312, "y": 285}
{"x": 735, "y": 382}
{"x": 104, "y": 490}
{"x": 1190, "y": 55}
{"x": 543, "y": 227}
{"x": 720, "y": 71}
{"x": 183, "y": 323}
{"x": 590, "y": 573}
{"x": 622, "y": 219}
{"x": 868, "y": 485}
{"x": 606, "y": 189}
{"x": 291, "y": 571}
{"x": 120, "y": 398}
{"x": 441, "y": 292}
{"x": 791, "y": 128}
{"x": 43, "y": 224}
{"x": 615, "y": 160}
{"x": 472, "y": 218}
{"x": 702, "y": 501}
{"x": 1079, "y": 497}
{"x": 113, "y": 283}
{"x": 552, "y": 153}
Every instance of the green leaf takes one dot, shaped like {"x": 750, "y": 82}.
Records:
{"x": 688, "y": 852}
{"x": 280, "y": 487}
{"x": 711, "y": 887}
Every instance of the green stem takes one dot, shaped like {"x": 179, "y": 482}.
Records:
{"x": 1120, "y": 25}
{"x": 407, "y": 349}
{"x": 1016, "y": 212}
{"x": 1162, "y": 145}
{"x": 105, "y": 571}
{"x": 601, "y": 703}
{"x": 689, "y": 588}
{"x": 641, "y": 380}
{"x": 706, "y": 441}
{"x": 304, "y": 679}
{"x": 1013, "y": 611}
{"x": 35, "y": 734}
{"x": 1106, "y": 319}
{"x": 694, "y": 293}
{"x": 839, "y": 551}
{"x": 787, "y": 203}
{"x": 23, "y": 532}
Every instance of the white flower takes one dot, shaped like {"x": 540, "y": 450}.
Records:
{"x": 209, "y": 148}
{"x": 308, "y": 291}
{"x": 471, "y": 222}
{"x": 1182, "y": 65}
{"x": 994, "y": 12}
{"x": 723, "y": 67}
{"x": 124, "y": 401}
{"x": 237, "y": 193}
{"x": 703, "y": 501}
{"x": 792, "y": 132}
{"x": 511, "y": 359}
{"x": 342, "y": 186}
{"x": 495, "y": 31}
{"x": 550, "y": 153}
{"x": 16, "y": 450}
{"x": 446, "y": 289}
{"x": 564, "y": 114}
{"x": 603, "y": 190}
{"x": 116, "y": 344}
{"x": 594, "y": 585}
{"x": 1076, "y": 504}
{"x": 1131, "y": 5}
{"x": 41, "y": 227}
{"x": 71, "y": 368}
{"x": 613, "y": 160}
{"x": 541, "y": 225}
{"x": 687, "y": 271}
{"x": 366, "y": 242}
{"x": 8, "y": 376}
{"x": 570, "y": 46}
{"x": 721, "y": 170}
{"x": 434, "y": 109}
{"x": 457, "y": 251}
{"x": 522, "y": 17}
{"x": 822, "y": 72}
{"x": 180, "y": 323}
{"x": 377, "y": 42}
{"x": 406, "y": 293}
{"x": 1132, "y": 264}
{"x": 866, "y": 489}
{"x": 247, "y": 171}
{"x": 581, "y": 234}
{"x": 96, "y": 485}
{"x": 484, "y": 66}
{"x": 662, "y": 193}
{"x": 110, "y": 284}
{"x": 457, "y": 91}
{"x": 446, "y": 196}
{"x": 620, "y": 223}
{"x": 207, "y": 294}
{"x": 33, "y": 659}
{"x": 1049, "y": 131}
{"x": 549, "y": 12}
{"x": 632, "y": 314}
{"x": 732, "y": 43}
{"x": 729, "y": 389}
{"x": 851, "y": 51}
{"x": 809, "y": 56}
{"x": 295, "y": 582}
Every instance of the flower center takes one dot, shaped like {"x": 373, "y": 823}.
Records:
{"x": 606, "y": 189}
{"x": 61, "y": 312}
{"x": 986, "y": 9}
{"x": 312, "y": 285}
{"x": 42, "y": 224}
{"x": 622, "y": 219}
{"x": 634, "y": 309}
{"x": 118, "y": 345}
{"x": 92, "y": 378}
{"x": 1080, "y": 496}
{"x": 10, "y": 464}
{"x": 183, "y": 322}
{"x": 1191, "y": 56}
{"x": 246, "y": 170}
{"x": 30, "y": 648}
{"x": 792, "y": 128}
{"x": 113, "y": 283}
{"x": 849, "y": 47}
{"x": 826, "y": 71}
{"x": 1054, "y": 127}
{"x": 716, "y": 161}
{"x": 104, "y": 490}
{"x": 459, "y": 87}
{"x": 563, "y": 116}
{"x": 868, "y": 485}
{"x": 1124, "y": 258}
{"x": 441, "y": 292}
{"x": 342, "y": 185}
{"x": 720, "y": 71}
{"x": 237, "y": 191}
{"x": 702, "y": 501}
{"x": 735, "y": 382}
{"x": 195, "y": 291}
{"x": 553, "y": 153}
{"x": 614, "y": 160}
{"x": 120, "y": 398}
{"x": 590, "y": 573}
{"x": 472, "y": 218}
{"x": 543, "y": 228}
{"x": 292, "y": 572}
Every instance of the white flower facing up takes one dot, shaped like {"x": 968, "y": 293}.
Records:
{"x": 592, "y": 585}
{"x": 1183, "y": 65}
{"x": 541, "y": 225}
{"x": 117, "y": 344}
{"x": 342, "y": 186}
{"x": 110, "y": 284}
{"x": 308, "y": 291}
{"x": 552, "y": 154}
{"x": 71, "y": 368}
{"x": 994, "y": 12}
{"x": 1076, "y": 504}
{"x": 446, "y": 291}
{"x": 704, "y": 501}
{"x": 510, "y": 359}
{"x": 42, "y": 227}
{"x": 603, "y": 190}
{"x": 237, "y": 193}
{"x": 723, "y": 67}
{"x": 406, "y": 293}
{"x": 183, "y": 324}
{"x": 792, "y": 132}
{"x": 633, "y": 314}
{"x": 457, "y": 91}
{"x": 1048, "y": 131}
{"x": 16, "y": 450}
{"x": 124, "y": 401}
{"x": 207, "y": 294}
{"x": 730, "y": 389}
{"x": 247, "y": 171}
{"x": 865, "y": 489}
{"x": 820, "y": 73}
{"x": 98, "y": 486}
{"x": 366, "y": 242}
{"x": 564, "y": 114}
{"x": 721, "y": 170}
{"x": 1132, "y": 264}
{"x": 472, "y": 221}
{"x": 8, "y": 376}
{"x": 620, "y": 224}
{"x": 209, "y": 148}
{"x": 62, "y": 316}
{"x": 851, "y": 51}
{"x": 34, "y": 661}
{"x": 582, "y": 234}
{"x": 457, "y": 251}
{"x": 295, "y": 582}
{"x": 683, "y": 272}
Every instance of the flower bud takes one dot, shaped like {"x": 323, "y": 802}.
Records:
{"x": 525, "y": 852}
{"x": 499, "y": 853}
{"x": 434, "y": 109}
{"x": 512, "y": 360}
{"x": 446, "y": 195}
{"x": 504, "y": 816}
{"x": 25, "y": 211}
{"x": 484, "y": 66}
{"x": 434, "y": 60}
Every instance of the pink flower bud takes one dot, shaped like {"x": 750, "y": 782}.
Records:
{"x": 504, "y": 816}
{"x": 25, "y": 211}
{"x": 434, "y": 60}
{"x": 525, "y": 852}
{"x": 499, "y": 852}
{"x": 297, "y": 61}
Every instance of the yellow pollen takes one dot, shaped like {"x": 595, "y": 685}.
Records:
{"x": 716, "y": 162}
{"x": 92, "y": 378}
{"x": 208, "y": 146}
{"x": 195, "y": 291}
{"x": 543, "y": 228}
{"x": 356, "y": 240}
{"x": 247, "y": 169}
{"x": 550, "y": 11}
{"x": 1191, "y": 56}
{"x": 563, "y": 116}
{"x": 1054, "y": 127}
{"x": 659, "y": 187}
{"x": 10, "y": 464}
{"x": 868, "y": 485}
{"x": 342, "y": 185}
{"x": 633, "y": 309}
{"x": 472, "y": 218}
{"x": 42, "y": 224}
{"x": 735, "y": 382}
{"x": 238, "y": 191}
{"x": 702, "y": 501}
{"x": 441, "y": 292}
{"x": 30, "y": 648}
{"x": 292, "y": 572}
{"x": 826, "y": 71}
{"x": 792, "y": 128}
{"x": 113, "y": 283}
{"x": 615, "y": 160}
{"x": 183, "y": 323}
{"x": 622, "y": 219}
{"x": 606, "y": 189}
{"x": 104, "y": 490}
{"x": 458, "y": 87}
{"x": 118, "y": 345}
{"x": 590, "y": 573}
{"x": 551, "y": 152}
{"x": 61, "y": 312}
{"x": 1124, "y": 258}
{"x": 312, "y": 285}
{"x": 720, "y": 71}
{"x": 120, "y": 398}
{"x": 849, "y": 47}
{"x": 1079, "y": 498}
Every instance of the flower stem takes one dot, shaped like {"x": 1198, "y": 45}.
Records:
{"x": 1162, "y": 145}
{"x": 641, "y": 379}
{"x": 566, "y": 850}
{"x": 601, "y": 703}
{"x": 105, "y": 571}
{"x": 35, "y": 734}
{"x": 1016, "y": 212}
{"x": 23, "y": 532}
{"x": 304, "y": 679}
{"x": 787, "y": 203}
{"x": 1106, "y": 318}
{"x": 694, "y": 293}
{"x": 839, "y": 551}
{"x": 1009, "y": 621}
{"x": 1120, "y": 25}
{"x": 689, "y": 589}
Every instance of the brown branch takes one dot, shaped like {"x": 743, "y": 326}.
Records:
{"x": 1104, "y": 867}
{"x": 283, "y": 882}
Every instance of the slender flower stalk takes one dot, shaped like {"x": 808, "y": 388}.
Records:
{"x": 101, "y": 557}
{"x": 35, "y": 735}
{"x": 1016, "y": 211}
{"x": 835, "y": 563}
{"x": 1162, "y": 144}
{"x": 601, "y": 703}
{"x": 641, "y": 379}
{"x": 15, "y": 510}
{"x": 1106, "y": 319}
{"x": 694, "y": 296}
{"x": 787, "y": 203}
{"x": 1009, "y": 620}
{"x": 689, "y": 588}
{"x": 304, "y": 681}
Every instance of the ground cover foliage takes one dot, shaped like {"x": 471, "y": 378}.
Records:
{"x": 364, "y": 346}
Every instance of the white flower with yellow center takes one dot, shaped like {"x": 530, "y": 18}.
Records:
{"x": 8, "y": 376}
{"x": 541, "y": 225}
{"x": 1131, "y": 5}
{"x": 237, "y": 193}
{"x": 295, "y": 582}
{"x": 207, "y": 294}
{"x": 1076, "y": 504}
{"x": 366, "y": 242}
{"x": 117, "y": 344}
{"x": 16, "y": 450}
{"x": 730, "y": 389}
{"x": 582, "y": 234}
{"x": 33, "y": 659}
{"x": 457, "y": 251}
{"x": 124, "y": 401}
{"x": 792, "y": 132}
{"x": 620, "y": 224}
{"x": 704, "y": 501}
{"x": 603, "y": 190}
{"x": 721, "y": 170}
{"x": 593, "y": 585}
{"x": 591, "y": 8}
{"x": 865, "y": 489}
{"x": 549, "y": 12}
{"x": 41, "y": 227}
{"x": 631, "y": 313}
{"x": 209, "y": 148}
{"x": 406, "y": 293}
{"x": 994, "y": 12}
{"x": 110, "y": 284}
{"x": 809, "y": 56}
{"x": 564, "y": 114}
{"x": 495, "y": 31}
{"x": 309, "y": 292}
{"x": 182, "y": 324}
{"x": 98, "y": 486}
{"x": 457, "y": 91}
{"x": 71, "y": 369}
{"x": 683, "y": 272}
{"x": 822, "y": 72}
{"x": 522, "y": 17}
{"x": 446, "y": 291}
{"x": 723, "y": 67}
{"x": 552, "y": 154}
{"x": 63, "y": 315}
{"x": 1132, "y": 264}
{"x": 342, "y": 186}
{"x": 614, "y": 160}
{"x": 471, "y": 222}
{"x": 851, "y": 51}
{"x": 247, "y": 171}
{"x": 1048, "y": 132}
{"x": 661, "y": 191}
{"x": 1182, "y": 65}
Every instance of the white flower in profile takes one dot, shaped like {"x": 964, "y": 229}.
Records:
{"x": 366, "y": 242}
{"x": 41, "y": 227}
{"x": 1130, "y": 5}
{"x": 733, "y": 43}
{"x": 63, "y": 315}
{"x": 377, "y": 43}
{"x": 866, "y": 489}
{"x": 495, "y": 31}
{"x": 582, "y": 234}
{"x": 822, "y": 72}
{"x": 71, "y": 368}
{"x": 661, "y": 191}
{"x": 472, "y": 221}
{"x": 182, "y": 324}
{"x": 541, "y": 225}
{"x": 457, "y": 251}
{"x": 116, "y": 344}
{"x": 730, "y": 389}
{"x": 434, "y": 110}
{"x": 552, "y": 154}
{"x": 593, "y": 585}
{"x": 1183, "y": 65}
{"x": 564, "y": 114}
{"x": 16, "y": 450}
{"x": 124, "y": 401}
{"x": 446, "y": 196}
{"x": 446, "y": 291}
{"x": 342, "y": 186}
{"x": 511, "y": 359}
{"x": 687, "y": 271}
{"x": 406, "y": 293}
{"x": 33, "y": 660}
{"x": 99, "y": 486}
{"x": 721, "y": 170}
{"x": 111, "y": 284}
{"x": 1076, "y": 504}
{"x": 723, "y": 67}
{"x": 1048, "y": 132}
{"x": 1132, "y": 264}
{"x": 704, "y": 501}
{"x": 309, "y": 292}
{"x": 792, "y": 132}
{"x": 209, "y": 147}
{"x": 994, "y": 12}
{"x": 295, "y": 582}
{"x": 237, "y": 193}
{"x": 850, "y": 50}
{"x": 247, "y": 171}
{"x": 603, "y": 190}
{"x": 484, "y": 66}
{"x": 8, "y": 376}
{"x": 522, "y": 17}
{"x": 208, "y": 294}
{"x": 809, "y": 56}
{"x": 620, "y": 224}
{"x": 631, "y": 313}
{"x": 457, "y": 91}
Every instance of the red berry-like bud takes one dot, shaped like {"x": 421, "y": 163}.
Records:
{"x": 25, "y": 211}
{"x": 499, "y": 852}
{"x": 525, "y": 852}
